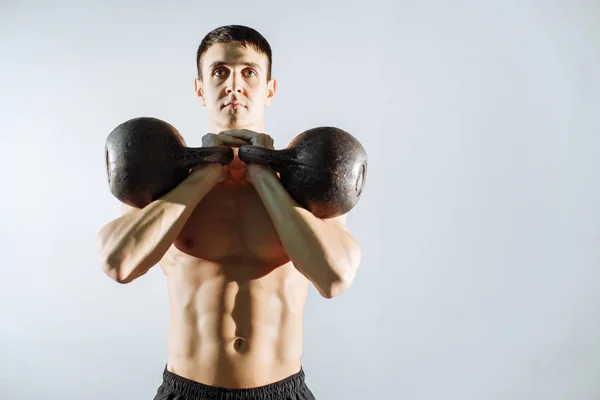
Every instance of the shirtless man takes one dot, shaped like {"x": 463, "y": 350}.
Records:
{"x": 237, "y": 251}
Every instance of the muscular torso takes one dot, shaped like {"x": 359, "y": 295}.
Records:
{"x": 236, "y": 300}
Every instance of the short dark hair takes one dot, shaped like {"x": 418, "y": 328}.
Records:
{"x": 240, "y": 34}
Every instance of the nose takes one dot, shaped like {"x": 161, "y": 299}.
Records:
{"x": 234, "y": 83}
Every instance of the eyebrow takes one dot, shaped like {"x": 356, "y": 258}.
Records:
{"x": 248, "y": 64}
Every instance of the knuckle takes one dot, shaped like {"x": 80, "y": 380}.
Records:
{"x": 210, "y": 139}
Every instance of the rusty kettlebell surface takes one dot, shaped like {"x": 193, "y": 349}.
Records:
{"x": 147, "y": 157}
{"x": 324, "y": 169}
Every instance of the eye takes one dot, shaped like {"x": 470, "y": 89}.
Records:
{"x": 219, "y": 72}
{"x": 250, "y": 72}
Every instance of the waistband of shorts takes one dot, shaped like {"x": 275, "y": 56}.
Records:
{"x": 186, "y": 387}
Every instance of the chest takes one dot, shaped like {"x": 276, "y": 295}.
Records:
{"x": 231, "y": 223}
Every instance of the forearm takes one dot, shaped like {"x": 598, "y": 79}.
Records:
{"x": 132, "y": 244}
{"x": 327, "y": 255}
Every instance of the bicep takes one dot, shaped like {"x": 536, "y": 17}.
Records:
{"x": 350, "y": 245}
{"x": 339, "y": 223}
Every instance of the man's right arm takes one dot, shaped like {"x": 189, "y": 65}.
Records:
{"x": 132, "y": 244}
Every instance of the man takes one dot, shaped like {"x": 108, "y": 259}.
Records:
{"x": 237, "y": 251}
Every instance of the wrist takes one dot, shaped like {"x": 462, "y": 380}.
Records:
{"x": 258, "y": 173}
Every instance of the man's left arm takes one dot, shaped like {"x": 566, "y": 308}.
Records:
{"x": 321, "y": 249}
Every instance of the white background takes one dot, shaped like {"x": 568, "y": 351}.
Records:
{"x": 479, "y": 223}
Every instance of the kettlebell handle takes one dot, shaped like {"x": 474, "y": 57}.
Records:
{"x": 278, "y": 160}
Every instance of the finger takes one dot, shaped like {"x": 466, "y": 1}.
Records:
{"x": 267, "y": 144}
{"x": 224, "y": 141}
{"x": 233, "y": 141}
{"x": 239, "y": 133}
{"x": 265, "y": 141}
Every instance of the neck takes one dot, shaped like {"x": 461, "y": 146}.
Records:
{"x": 214, "y": 128}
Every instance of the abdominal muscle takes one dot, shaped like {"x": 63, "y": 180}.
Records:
{"x": 236, "y": 300}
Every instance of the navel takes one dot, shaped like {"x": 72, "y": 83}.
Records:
{"x": 240, "y": 345}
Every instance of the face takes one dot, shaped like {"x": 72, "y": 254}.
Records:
{"x": 234, "y": 87}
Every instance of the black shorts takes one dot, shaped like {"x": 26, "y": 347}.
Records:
{"x": 175, "y": 387}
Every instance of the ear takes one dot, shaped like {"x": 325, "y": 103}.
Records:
{"x": 198, "y": 90}
{"x": 272, "y": 88}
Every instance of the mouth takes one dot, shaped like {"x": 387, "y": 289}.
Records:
{"x": 234, "y": 104}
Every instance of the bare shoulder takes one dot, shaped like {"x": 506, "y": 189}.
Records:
{"x": 339, "y": 221}
{"x": 126, "y": 209}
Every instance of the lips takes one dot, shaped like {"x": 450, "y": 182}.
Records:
{"x": 234, "y": 103}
